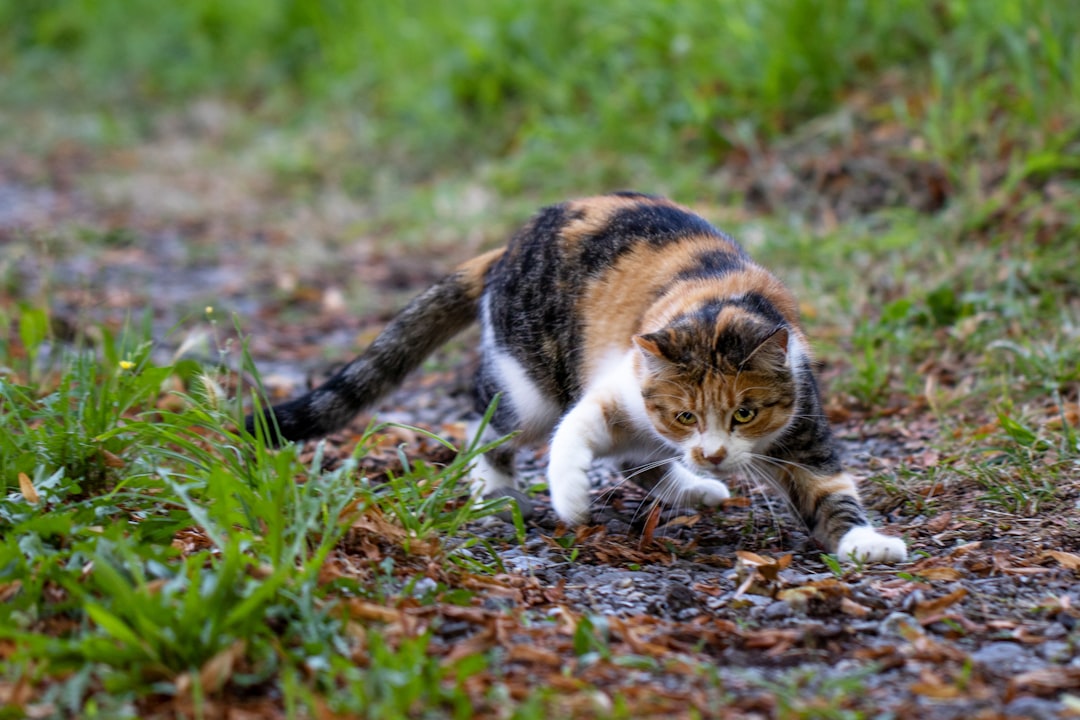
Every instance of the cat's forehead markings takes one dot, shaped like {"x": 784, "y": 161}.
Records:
{"x": 728, "y": 316}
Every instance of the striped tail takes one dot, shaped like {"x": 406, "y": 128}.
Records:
{"x": 427, "y": 322}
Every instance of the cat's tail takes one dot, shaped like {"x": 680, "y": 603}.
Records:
{"x": 427, "y": 322}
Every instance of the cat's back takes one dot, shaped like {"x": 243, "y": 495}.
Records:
{"x": 590, "y": 235}
{"x": 568, "y": 249}
{"x": 580, "y": 275}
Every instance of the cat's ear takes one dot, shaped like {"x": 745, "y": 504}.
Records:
{"x": 658, "y": 348}
{"x": 774, "y": 348}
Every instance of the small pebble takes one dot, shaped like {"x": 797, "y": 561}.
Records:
{"x": 777, "y": 610}
{"x": 1003, "y": 657}
{"x": 523, "y": 502}
{"x": 1056, "y": 651}
{"x": 525, "y": 564}
{"x": 1032, "y": 708}
{"x": 899, "y": 624}
{"x": 424, "y": 586}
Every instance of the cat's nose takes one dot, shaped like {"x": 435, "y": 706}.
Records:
{"x": 718, "y": 457}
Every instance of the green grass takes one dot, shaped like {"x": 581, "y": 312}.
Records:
{"x": 105, "y": 610}
{"x": 805, "y": 696}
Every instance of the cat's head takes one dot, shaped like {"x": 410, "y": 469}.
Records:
{"x": 719, "y": 387}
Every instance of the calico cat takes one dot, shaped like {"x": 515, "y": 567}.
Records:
{"x": 625, "y": 326}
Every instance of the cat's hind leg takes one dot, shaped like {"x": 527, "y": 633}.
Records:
{"x": 521, "y": 407}
{"x": 494, "y": 470}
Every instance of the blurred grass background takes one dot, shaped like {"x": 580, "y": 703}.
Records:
{"x": 549, "y": 98}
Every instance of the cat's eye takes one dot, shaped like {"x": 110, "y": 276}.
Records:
{"x": 744, "y": 415}
{"x": 686, "y": 418}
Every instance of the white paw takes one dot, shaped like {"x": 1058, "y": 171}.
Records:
{"x": 709, "y": 493}
{"x": 569, "y": 495}
{"x": 571, "y": 504}
{"x": 865, "y": 544}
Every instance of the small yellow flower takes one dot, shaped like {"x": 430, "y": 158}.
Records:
{"x": 209, "y": 309}
{"x": 126, "y": 364}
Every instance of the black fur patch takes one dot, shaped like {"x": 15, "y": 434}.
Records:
{"x": 655, "y": 224}
{"x": 713, "y": 264}
{"x": 634, "y": 195}
{"x": 532, "y": 296}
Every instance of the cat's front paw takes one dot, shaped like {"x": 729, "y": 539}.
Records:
{"x": 865, "y": 544}
{"x": 570, "y": 497}
{"x": 709, "y": 493}
{"x": 571, "y": 512}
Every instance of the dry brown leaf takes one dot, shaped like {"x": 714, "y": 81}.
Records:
{"x": 1047, "y": 680}
{"x": 798, "y": 597}
{"x": 499, "y": 586}
{"x": 375, "y": 522}
{"x": 854, "y": 609}
{"x": 750, "y": 558}
{"x": 683, "y": 520}
{"x": 631, "y": 633}
{"x": 586, "y": 532}
{"x": 756, "y": 574}
{"x": 1028, "y": 635}
{"x": 931, "y": 490}
{"x": 364, "y": 610}
{"x": 895, "y": 587}
{"x": 534, "y": 654}
{"x": 8, "y": 591}
{"x": 17, "y": 694}
{"x": 1003, "y": 563}
{"x": 768, "y": 567}
{"x": 931, "y": 608}
{"x": 1065, "y": 559}
{"x": 219, "y": 669}
{"x": 29, "y": 492}
{"x": 478, "y": 643}
{"x": 569, "y": 620}
{"x": 709, "y": 588}
{"x": 935, "y": 690}
{"x": 111, "y": 460}
{"x": 474, "y": 615}
{"x": 939, "y": 523}
{"x": 940, "y": 573}
{"x": 1070, "y": 414}
{"x": 650, "y": 526}
{"x": 965, "y": 549}
{"x": 777, "y": 641}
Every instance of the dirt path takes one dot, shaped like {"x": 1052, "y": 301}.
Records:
{"x": 731, "y": 613}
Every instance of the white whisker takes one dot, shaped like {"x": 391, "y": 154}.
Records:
{"x": 780, "y": 462}
{"x": 763, "y": 478}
